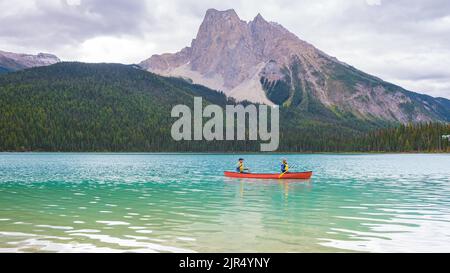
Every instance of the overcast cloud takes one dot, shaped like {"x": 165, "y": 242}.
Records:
{"x": 406, "y": 42}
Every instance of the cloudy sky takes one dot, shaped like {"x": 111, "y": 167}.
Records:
{"x": 406, "y": 42}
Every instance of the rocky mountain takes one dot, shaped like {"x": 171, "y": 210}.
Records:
{"x": 263, "y": 62}
{"x": 15, "y": 61}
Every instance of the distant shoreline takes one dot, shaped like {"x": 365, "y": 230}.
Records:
{"x": 218, "y": 152}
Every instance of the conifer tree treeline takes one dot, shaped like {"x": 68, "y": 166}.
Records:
{"x": 113, "y": 107}
{"x": 423, "y": 137}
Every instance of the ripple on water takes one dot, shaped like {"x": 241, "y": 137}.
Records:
{"x": 55, "y": 227}
{"x": 186, "y": 239}
{"x": 113, "y": 223}
{"x": 400, "y": 233}
{"x": 83, "y": 231}
{"x": 148, "y": 247}
{"x": 144, "y": 231}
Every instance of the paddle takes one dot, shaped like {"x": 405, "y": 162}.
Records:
{"x": 281, "y": 175}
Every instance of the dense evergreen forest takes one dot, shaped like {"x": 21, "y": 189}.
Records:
{"x": 113, "y": 107}
{"x": 424, "y": 137}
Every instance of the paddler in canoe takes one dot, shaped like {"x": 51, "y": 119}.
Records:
{"x": 285, "y": 173}
{"x": 284, "y": 166}
{"x": 240, "y": 166}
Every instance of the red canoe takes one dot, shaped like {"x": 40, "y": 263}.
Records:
{"x": 302, "y": 175}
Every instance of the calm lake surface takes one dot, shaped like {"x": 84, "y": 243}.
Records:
{"x": 94, "y": 202}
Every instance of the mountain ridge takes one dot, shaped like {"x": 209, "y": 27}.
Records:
{"x": 10, "y": 61}
{"x": 263, "y": 62}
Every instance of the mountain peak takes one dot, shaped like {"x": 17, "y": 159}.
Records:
{"x": 214, "y": 14}
{"x": 263, "y": 62}
{"x": 217, "y": 22}
{"x": 259, "y": 19}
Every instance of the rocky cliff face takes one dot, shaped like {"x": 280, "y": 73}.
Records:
{"x": 262, "y": 62}
{"x": 13, "y": 61}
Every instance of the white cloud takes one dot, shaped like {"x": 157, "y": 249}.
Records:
{"x": 373, "y": 2}
{"x": 111, "y": 49}
{"x": 73, "y": 2}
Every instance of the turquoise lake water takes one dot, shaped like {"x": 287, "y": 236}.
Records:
{"x": 94, "y": 202}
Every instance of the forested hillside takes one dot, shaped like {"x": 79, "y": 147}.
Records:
{"x": 425, "y": 137}
{"x": 86, "y": 107}
{"x": 114, "y": 107}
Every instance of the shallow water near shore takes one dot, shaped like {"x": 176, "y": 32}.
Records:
{"x": 105, "y": 202}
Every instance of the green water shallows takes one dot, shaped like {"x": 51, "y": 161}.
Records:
{"x": 93, "y": 202}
